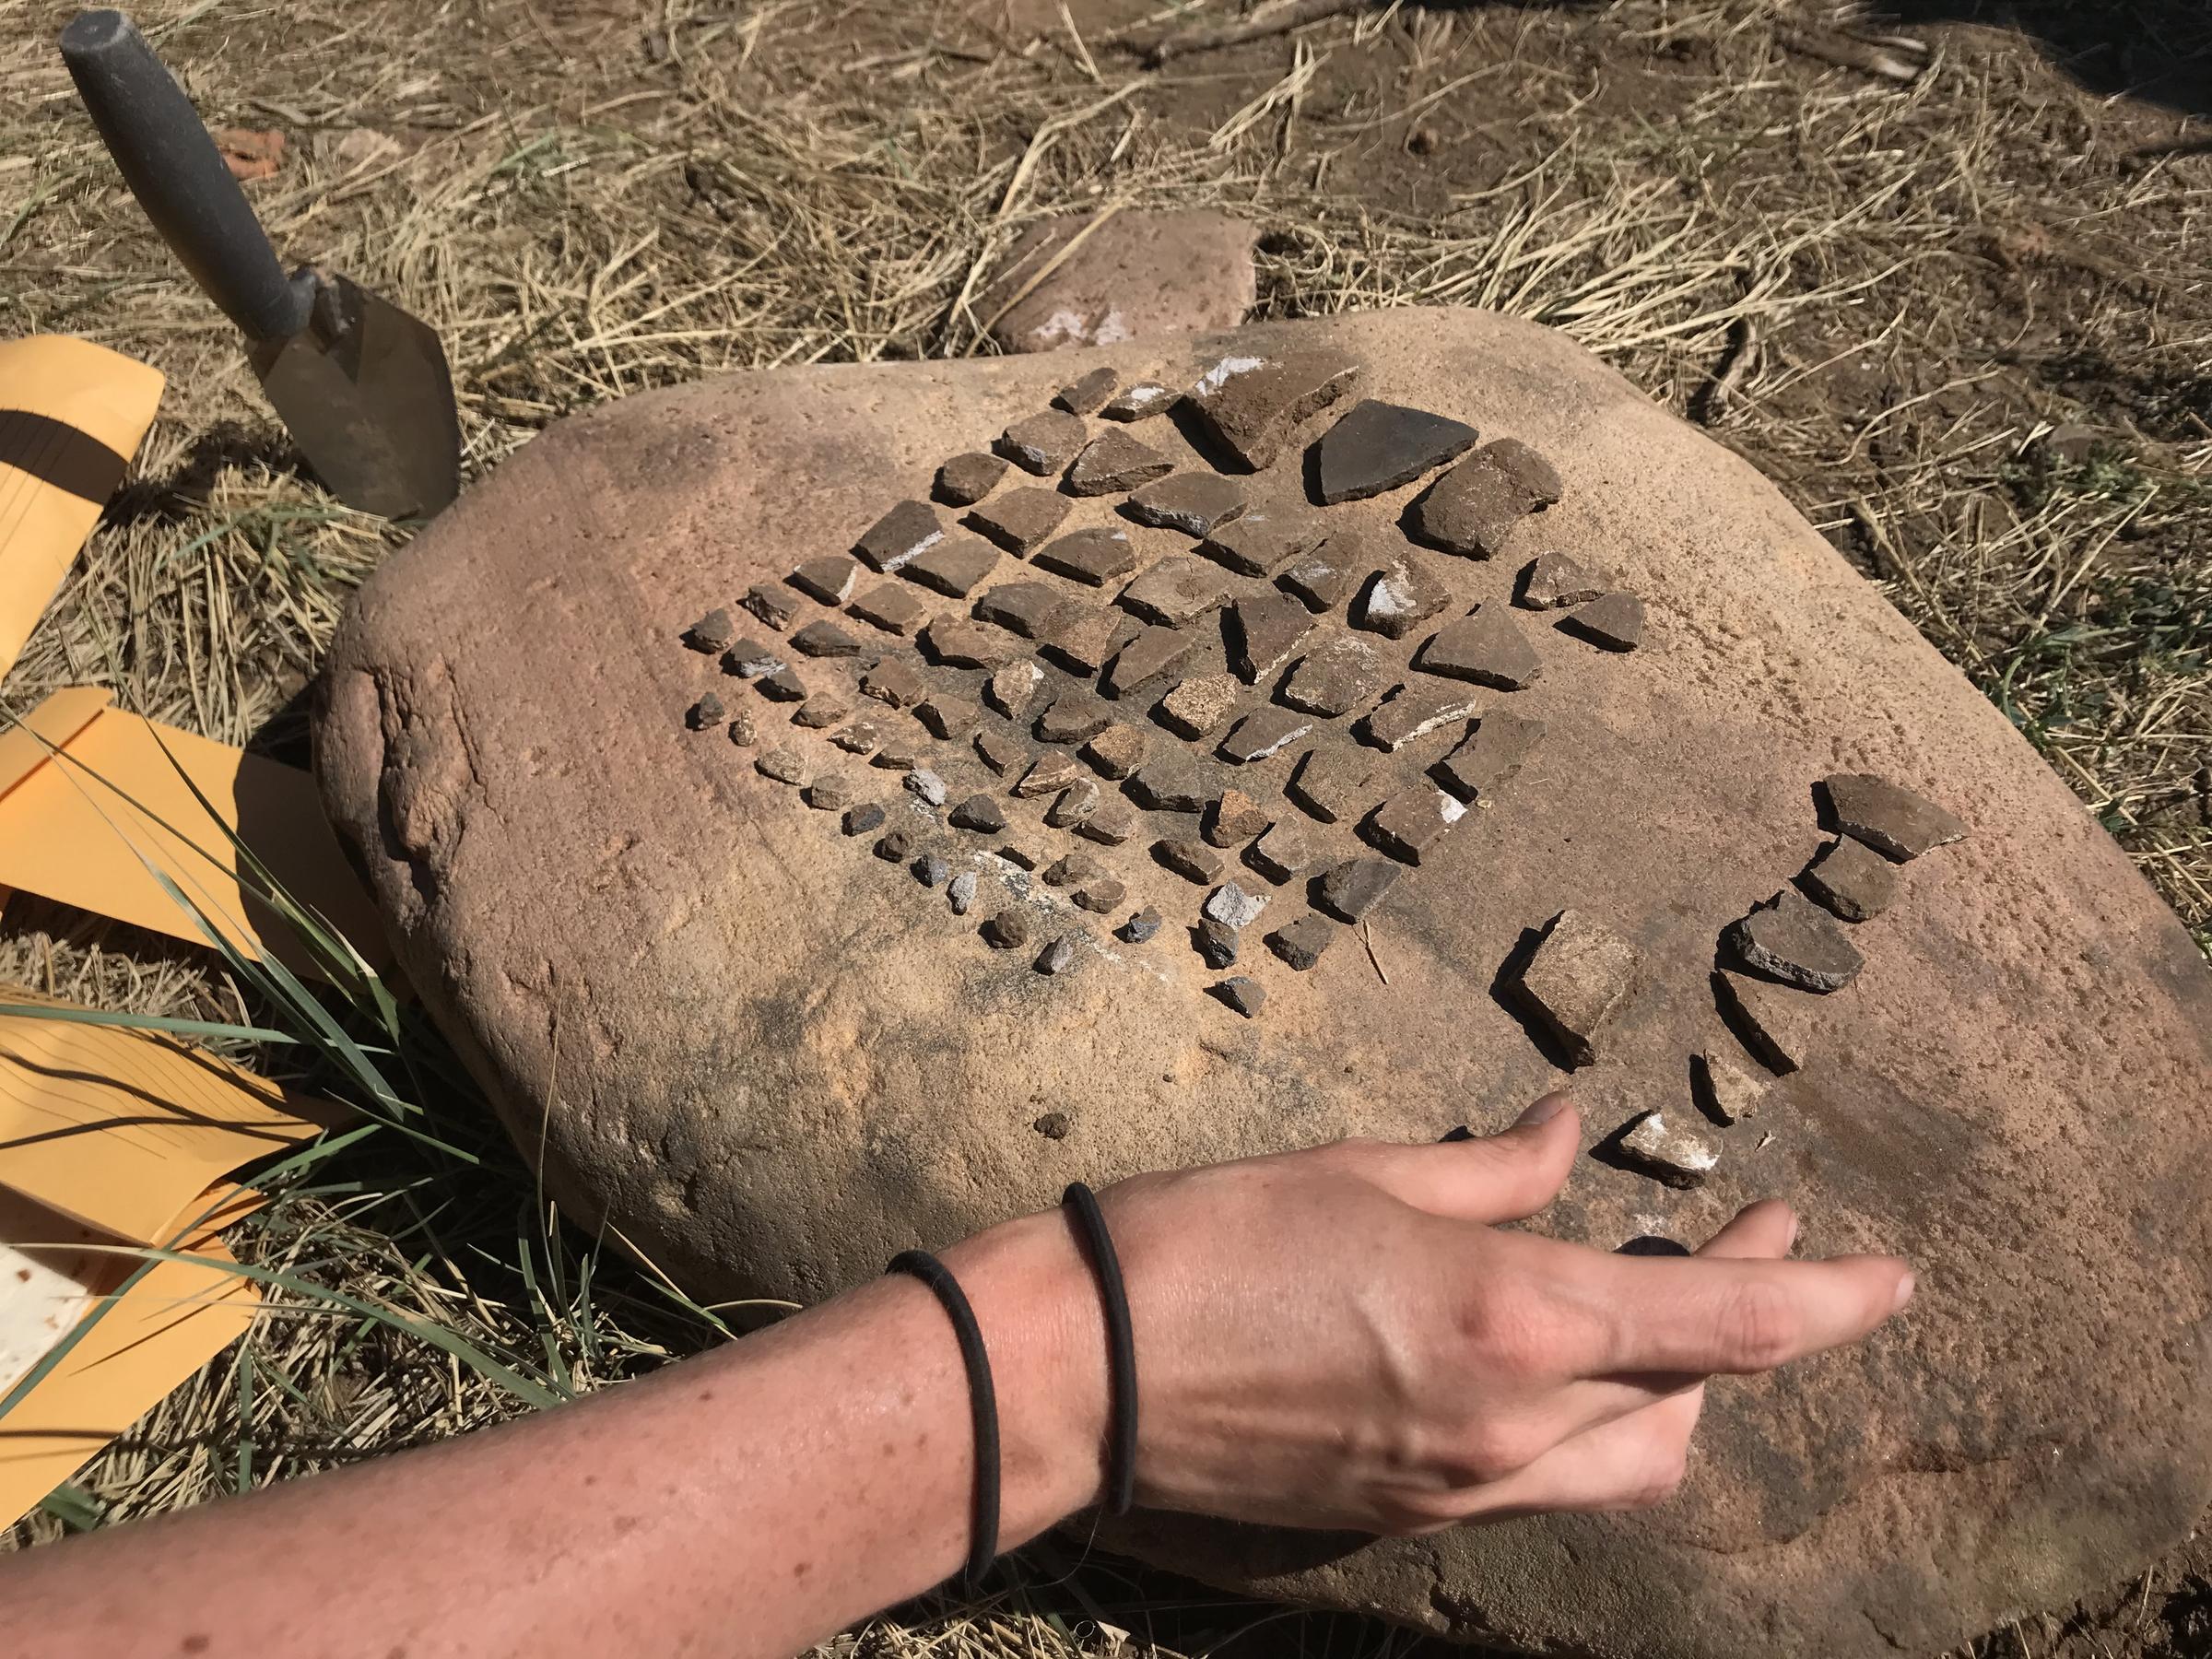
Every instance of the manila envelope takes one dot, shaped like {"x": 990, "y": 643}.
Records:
{"x": 80, "y": 827}
{"x": 72, "y": 415}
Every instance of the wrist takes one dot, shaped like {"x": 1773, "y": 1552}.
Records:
{"x": 1044, "y": 1330}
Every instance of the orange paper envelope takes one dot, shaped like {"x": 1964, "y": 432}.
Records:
{"x": 72, "y": 415}
{"x": 80, "y": 827}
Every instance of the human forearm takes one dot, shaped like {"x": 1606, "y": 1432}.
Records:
{"x": 744, "y": 1503}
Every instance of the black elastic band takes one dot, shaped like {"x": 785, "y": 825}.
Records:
{"x": 982, "y": 1407}
{"x": 1121, "y": 1347}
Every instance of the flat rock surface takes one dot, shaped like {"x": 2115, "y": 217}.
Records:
{"x": 772, "y": 1060}
{"x": 1136, "y": 274}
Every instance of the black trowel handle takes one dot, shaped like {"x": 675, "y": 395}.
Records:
{"x": 174, "y": 170}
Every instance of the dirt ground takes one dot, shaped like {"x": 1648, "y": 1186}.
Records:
{"x": 1940, "y": 270}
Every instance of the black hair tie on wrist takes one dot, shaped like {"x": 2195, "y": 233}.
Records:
{"x": 983, "y": 1407}
{"x": 1121, "y": 1347}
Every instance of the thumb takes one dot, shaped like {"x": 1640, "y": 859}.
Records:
{"x": 1503, "y": 1177}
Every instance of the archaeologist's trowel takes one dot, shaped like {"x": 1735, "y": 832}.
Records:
{"x": 362, "y": 385}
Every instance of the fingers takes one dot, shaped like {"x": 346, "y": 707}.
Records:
{"x": 1632, "y": 1462}
{"x": 1737, "y": 1314}
{"x": 1765, "y": 1229}
{"x": 1505, "y": 1177}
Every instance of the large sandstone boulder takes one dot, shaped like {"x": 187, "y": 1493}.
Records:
{"x": 765, "y": 1035}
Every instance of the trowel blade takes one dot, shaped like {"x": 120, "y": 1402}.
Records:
{"x": 366, "y": 394}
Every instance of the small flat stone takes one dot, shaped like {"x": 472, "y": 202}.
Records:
{"x": 1113, "y": 461}
{"x": 895, "y": 684}
{"x": 1021, "y": 857}
{"x": 1009, "y": 930}
{"x": 955, "y": 567}
{"x": 1261, "y": 544}
{"x": 1301, "y": 944}
{"x": 966, "y": 479}
{"x": 963, "y": 642}
{"x": 1073, "y": 717}
{"x": 1029, "y": 609}
{"x": 861, "y": 819}
{"x": 1001, "y": 752}
{"x": 1118, "y": 750}
{"x": 1169, "y": 782}
{"x": 743, "y": 731}
{"x": 1175, "y": 591}
{"x": 1050, "y": 775}
{"x": 1197, "y": 503}
{"x": 1140, "y": 402}
{"x": 1336, "y": 783}
{"x": 1612, "y": 623}
{"x": 1059, "y": 955}
{"x": 1194, "y": 861}
{"x": 784, "y": 686}
{"x": 925, "y": 783}
{"x": 1400, "y": 596}
{"x": 859, "y": 738}
{"x": 1265, "y": 733}
{"x": 706, "y": 713}
{"x": 1775, "y": 1021}
{"x": 1215, "y": 942}
{"x": 1021, "y": 519}
{"x": 1669, "y": 1153}
{"x": 896, "y": 755}
{"x": 830, "y": 580}
{"x": 1101, "y": 554}
{"x": 932, "y": 869}
{"x": 1076, "y": 803}
{"x": 1282, "y": 852}
{"x": 1416, "y": 712}
{"x": 1043, "y": 443}
{"x": 960, "y": 892}
{"x": 1014, "y": 688}
{"x": 820, "y": 711}
{"x": 1320, "y": 581}
{"x": 1112, "y": 823}
{"x": 1579, "y": 972}
{"x": 1473, "y": 508}
{"x": 1792, "y": 939}
{"x": 1233, "y": 907}
{"x": 1138, "y": 927}
{"x": 824, "y": 639}
{"x": 784, "y": 765}
{"x": 905, "y": 532}
{"x": 1552, "y": 579}
{"x": 1727, "y": 1091}
{"x": 1252, "y": 406}
{"x": 1408, "y": 826}
{"x": 1099, "y": 895}
{"x": 946, "y": 715}
{"x": 773, "y": 603}
{"x": 1335, "y": 678}
{"x": 1487, "y": 648}
{"x": 1264, "y": 631}
{"x": 979, "y": 813}
{"x": 1246, "y": 995}
{"x": 895, "y": 846}
{"x": 1887, "y": 817}
{"x": 711, "y": 632}
{"x": 751, "y": 659}
{"x": 1073, "y": 869}
{"x": 1499, "y": 747}
{"x": 1851, "y": 879}
{"x": 1233, "y": 818}
{"x": 1085, "y": 395}
{"x": 1086, "y": 641}
{"x": 1379, "y": 446}
{"x": 1199, "y": 705}
{"x": 1154, "y": 651}
{"x": 893, "y": 608}
{"x": 1356, "y": 887}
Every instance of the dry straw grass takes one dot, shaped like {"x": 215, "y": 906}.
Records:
{"x": 1840, "y": 275}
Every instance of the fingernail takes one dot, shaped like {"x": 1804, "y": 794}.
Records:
{"x": 1461, "y": 1134}
{"x": 1542, "y": 1111}
{"x": 1904, "y": 1292}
